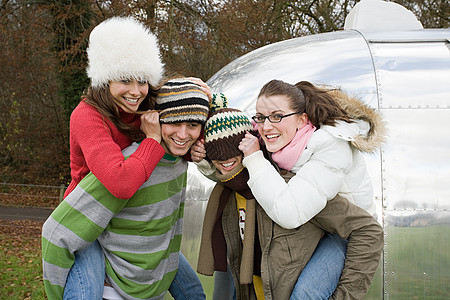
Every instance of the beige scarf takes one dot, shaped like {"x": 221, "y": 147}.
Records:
{"x": 212, "y": 253}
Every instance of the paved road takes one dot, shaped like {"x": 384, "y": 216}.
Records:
{"x": 24, "y": 213}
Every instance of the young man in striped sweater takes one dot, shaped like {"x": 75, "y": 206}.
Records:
{"x": 139, "y": 237}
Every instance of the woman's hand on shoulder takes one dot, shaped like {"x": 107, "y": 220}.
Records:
{"x": 249, "y": 144}
{"x": 150, "y": 125}
{"x": 198, "y": 151}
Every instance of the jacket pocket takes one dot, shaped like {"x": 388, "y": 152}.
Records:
{"x": 292, "y": 248}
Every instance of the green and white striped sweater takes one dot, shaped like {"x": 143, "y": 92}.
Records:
{"x": 140, "y": 237}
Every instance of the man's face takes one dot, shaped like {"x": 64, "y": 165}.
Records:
{"x": 225, "y": 166}
{"x": 178, "y": 138}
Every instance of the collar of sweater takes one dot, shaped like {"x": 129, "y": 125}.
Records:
{"x": 128, "y": 118}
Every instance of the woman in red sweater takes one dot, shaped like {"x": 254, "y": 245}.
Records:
{"x": 123, "y": 62}
{"x": 124, "y": 66}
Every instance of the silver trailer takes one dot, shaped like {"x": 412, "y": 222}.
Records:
{"x": 406, "y": 76}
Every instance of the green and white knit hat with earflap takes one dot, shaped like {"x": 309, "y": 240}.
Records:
{"x": 224, "y": 130}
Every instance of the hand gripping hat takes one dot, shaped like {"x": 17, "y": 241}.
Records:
{"x": 122, "y": 48}
{"x": 224, "y": 130}
{"x": 181, "y": 100}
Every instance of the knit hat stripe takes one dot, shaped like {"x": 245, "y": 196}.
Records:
{"x": 179, "y": 91}
{"x": 227, "y": 121}
{"x": 219, "y": 133}
{"x": 184, "y": 114}
{"x": 178, "y": 82}
{"x": 180, "y": 100}
{"x": 179, "y": 118}
{"x": 179, "y": 85}
{"x": 169, "y": 102}
{"x": 233, "y": 121}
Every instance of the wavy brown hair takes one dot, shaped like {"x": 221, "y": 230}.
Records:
{"x": 103, "y": 101}
{"x": 318, "y": 104}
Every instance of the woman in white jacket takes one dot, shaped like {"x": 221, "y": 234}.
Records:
{"x": 319, "y": 135}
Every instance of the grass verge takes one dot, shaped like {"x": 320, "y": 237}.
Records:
{"x": 20, "y": 263}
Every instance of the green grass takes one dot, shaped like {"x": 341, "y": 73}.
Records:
{"x": 21, "y": 268}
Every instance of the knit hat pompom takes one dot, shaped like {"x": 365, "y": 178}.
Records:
{"x": 224, "y": 130}
{"x": 181, "y": 100}
{"x": 218, "y": 102}
{"x": 122, "y": 48}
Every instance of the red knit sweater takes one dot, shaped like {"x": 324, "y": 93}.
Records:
{"x": 96, "y": 145}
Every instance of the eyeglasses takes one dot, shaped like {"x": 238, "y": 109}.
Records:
{"x": 275, "y": 118}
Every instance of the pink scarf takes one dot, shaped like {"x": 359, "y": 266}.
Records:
{"x": 290, "y": 154}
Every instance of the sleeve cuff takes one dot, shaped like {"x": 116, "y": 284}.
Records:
{"x": 255, "y": 161}
{"x": 149, "y": 153}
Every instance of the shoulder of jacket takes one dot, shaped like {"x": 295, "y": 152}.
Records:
{"x": 324, "y": 136}
{"x": 360, "y": 111}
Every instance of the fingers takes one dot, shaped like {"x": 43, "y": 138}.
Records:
{"x": 198, "y": 81}
{"x": 198, "y": 151}
{"x": 249, "y": 144}
{"x": 150, "y": 116}
{"x": 203, "y": 85}
{"x": 150, "y": 125}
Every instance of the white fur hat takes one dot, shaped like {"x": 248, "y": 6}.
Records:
{"x": 123, "y": 48}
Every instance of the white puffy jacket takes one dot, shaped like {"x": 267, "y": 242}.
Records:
{"x": 331, "y": 164}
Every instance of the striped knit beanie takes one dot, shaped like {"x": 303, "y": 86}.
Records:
{"x": 180, "y": 100}
{"x": 224, "y": 130}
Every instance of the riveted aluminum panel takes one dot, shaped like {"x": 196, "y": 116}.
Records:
{"x": 340, "y": 59}
{"x": 412, "y": 74}
{"x": 416, "y": 259}
{"x": 416, "y": 189}
{"x": 416, "y": 169}
{"x": 413, "y": 82}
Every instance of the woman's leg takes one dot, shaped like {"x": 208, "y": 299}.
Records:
{"x": 87, "y": 275}
{"x": 320, "y": 277}
{"x": 186, "y": 284}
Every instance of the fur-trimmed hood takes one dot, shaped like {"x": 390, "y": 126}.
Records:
{"x": 377, "y": 134}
